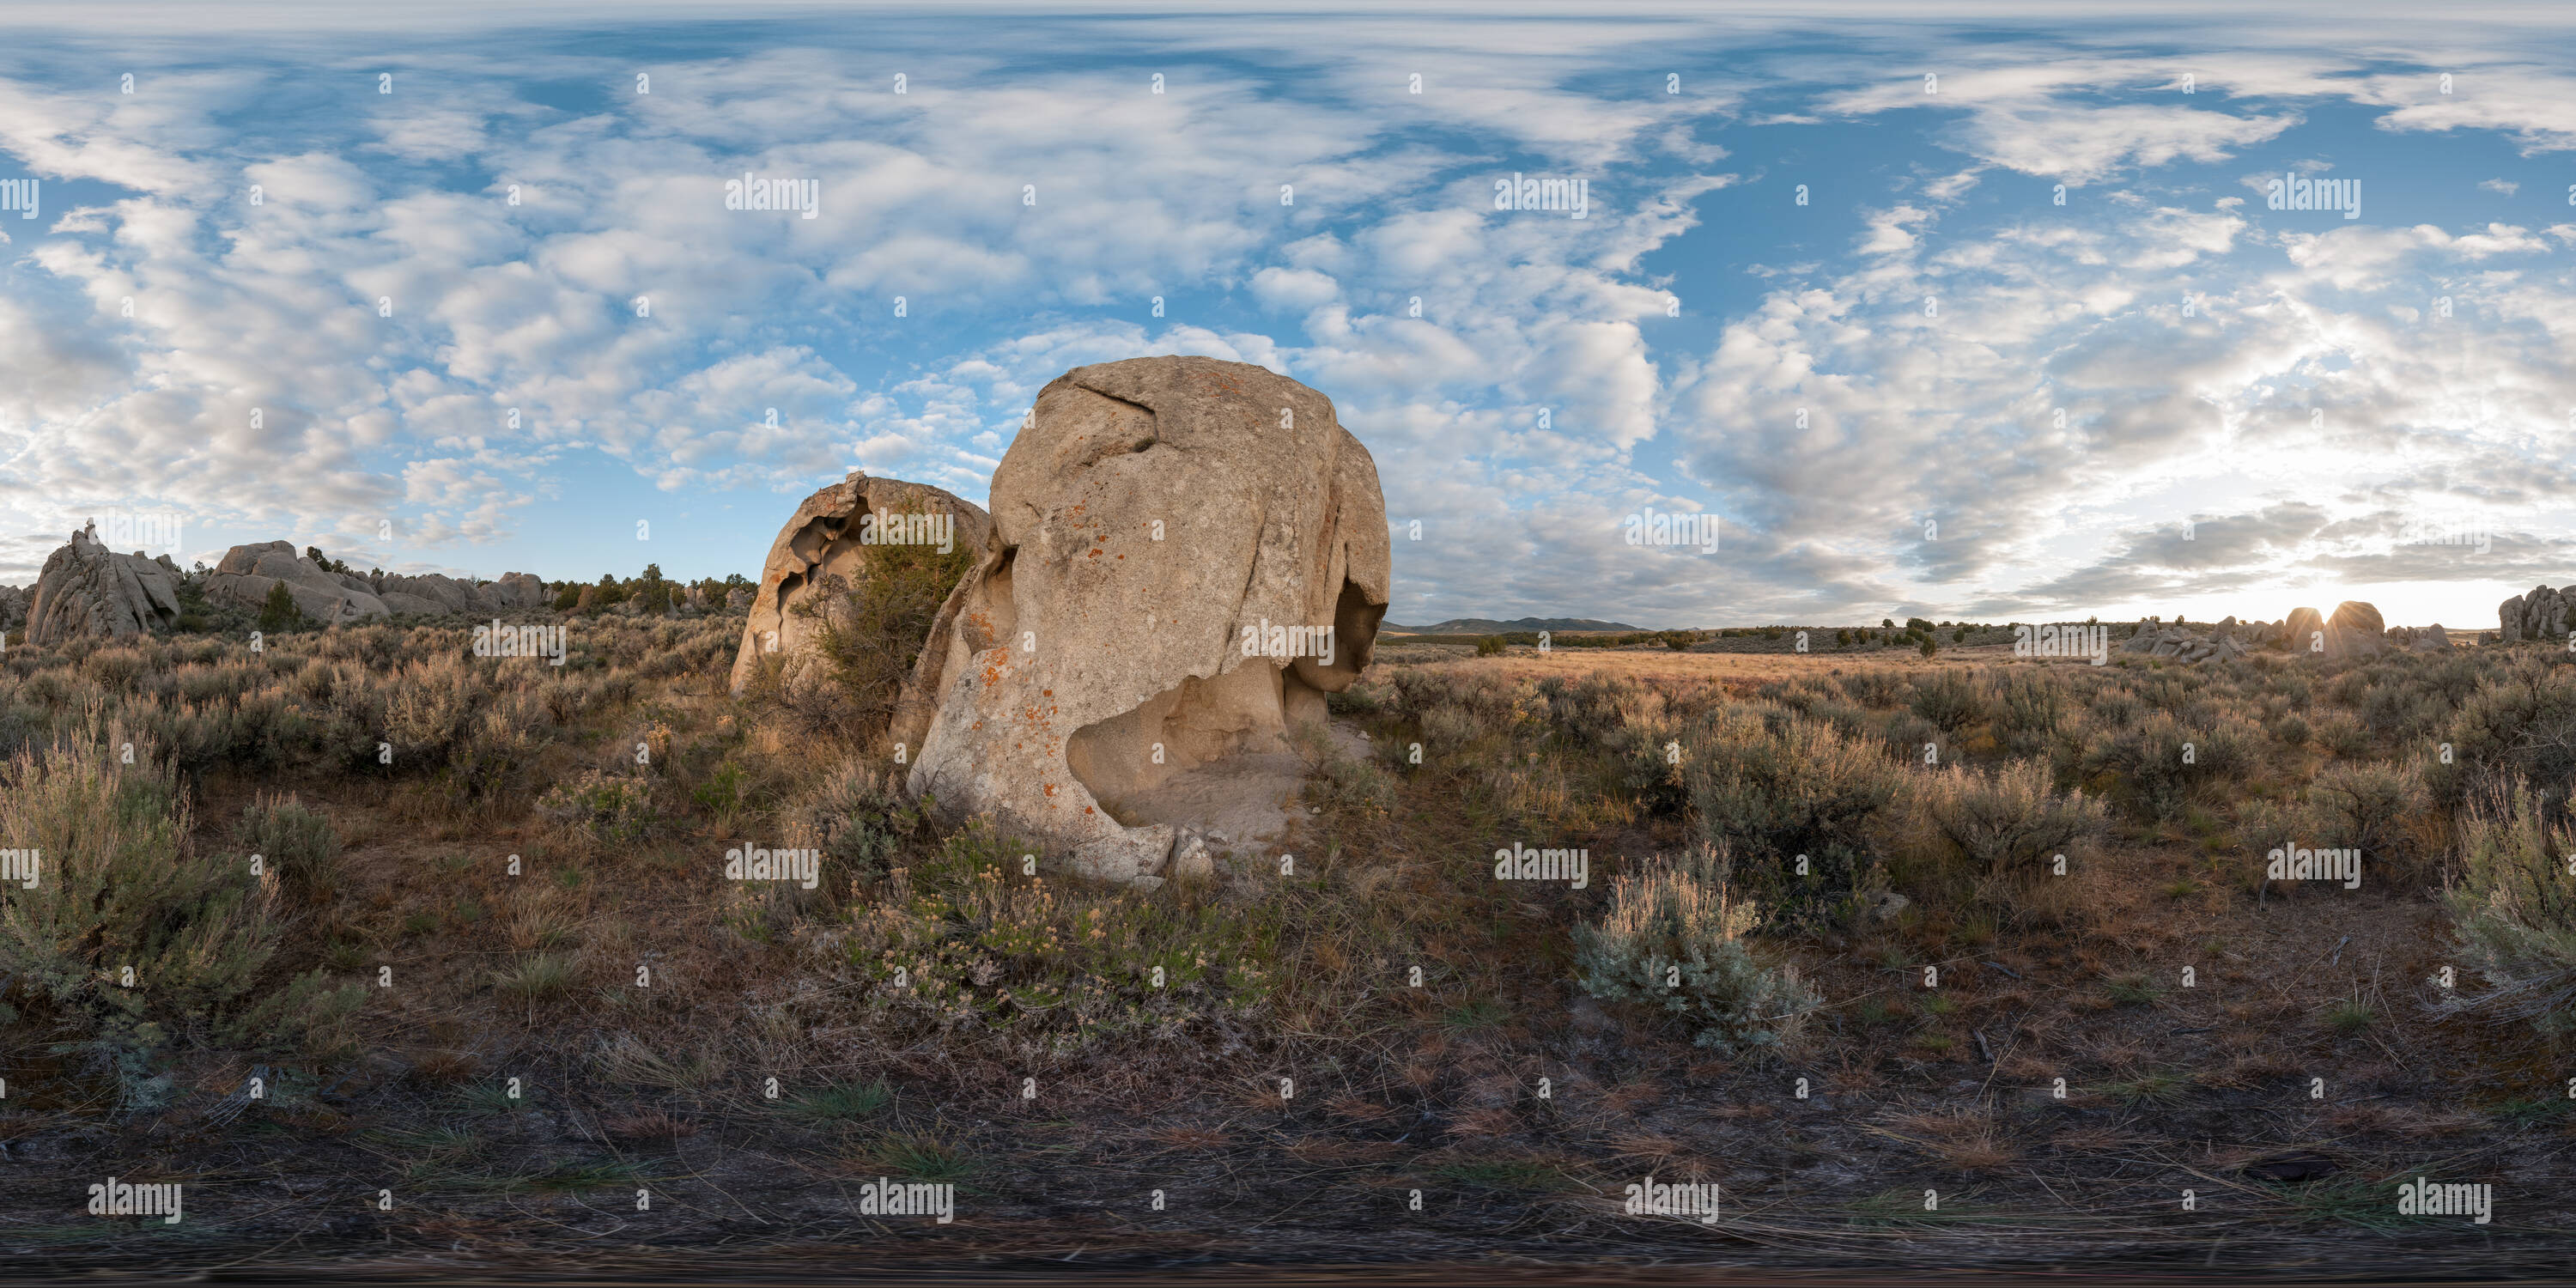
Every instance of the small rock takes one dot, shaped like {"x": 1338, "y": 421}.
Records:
{"x": 1128, "y": 856}
{"x": 1190, "y": 859}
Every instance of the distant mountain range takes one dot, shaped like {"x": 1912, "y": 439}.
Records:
{"x": 1488, "y": 626}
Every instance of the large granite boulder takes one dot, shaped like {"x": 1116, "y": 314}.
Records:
{"x": 827, "y": 547}
{"x": 1189, "y": 554}
{"x": 13, "y": 607}
{"x": 2544, "y": 614}
{"x": 443, "y": 594}
{"x": 2304, "y": 631}
{"x": 517, "y": 590}
{"x": 2220, "y": 643}
{"x": 88, "y": 589}
{"x": 439, "y": 594}
{"x": 2355, "y": 630}
{"x": 2429, "y": 639}
{"x": 246, "y": 574}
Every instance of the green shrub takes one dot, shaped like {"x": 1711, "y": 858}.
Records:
{"x": 2116, "y": 708}
{"x": 132, "y": 941}
{"x": 2008, "y": 822}
{"x": 294, "y": 842}
{"x": 1907, "y": 735}
{"x": 2028, "y": 705}
{"x": 2516, "y": 912}
{"x": 2366, "y": 806}
{"x": 2521, "y": 726}
{"x": 2163, "y": 764}
{"x": 2291, "y": 730}
{"x": 604, "y": 807}
{"x": 859, "y": 817}
{"x": 1674, "y": 941}
{"x": 961, "y": 938}
{"x": 2263, "y": 826}
{"x": 279, "y": 612}
{"x": 2344, "y": 735}
{"x": 872, "y": 626}
{"x": 1768, "y": 796}
{"x": 1876, "y": 687}
{"x": 1489, "y": 646}
{"x": 1948, "y": 700}
{"x": 721, "y": 794}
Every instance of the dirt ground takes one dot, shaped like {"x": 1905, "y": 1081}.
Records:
{"x": 2242, "y": 1123}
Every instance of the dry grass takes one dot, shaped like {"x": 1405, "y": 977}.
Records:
{"x": 740, "y": 995}
{"x": 1963, "y": 1139}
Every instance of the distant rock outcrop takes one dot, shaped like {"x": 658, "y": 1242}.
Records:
{"x": 88, "y": 589}
{"x": 2426, "y": 639}
{"x": 13, "y": 607}
{"x": 2222, "y": 642}
{"x": 439, "y": 593}
{"x": 2355, "y": 630}
{"x": 2541, "y": 615}
{"x": 247, "y": 574}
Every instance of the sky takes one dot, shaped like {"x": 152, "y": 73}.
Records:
{"x": 1986, "y": 317}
